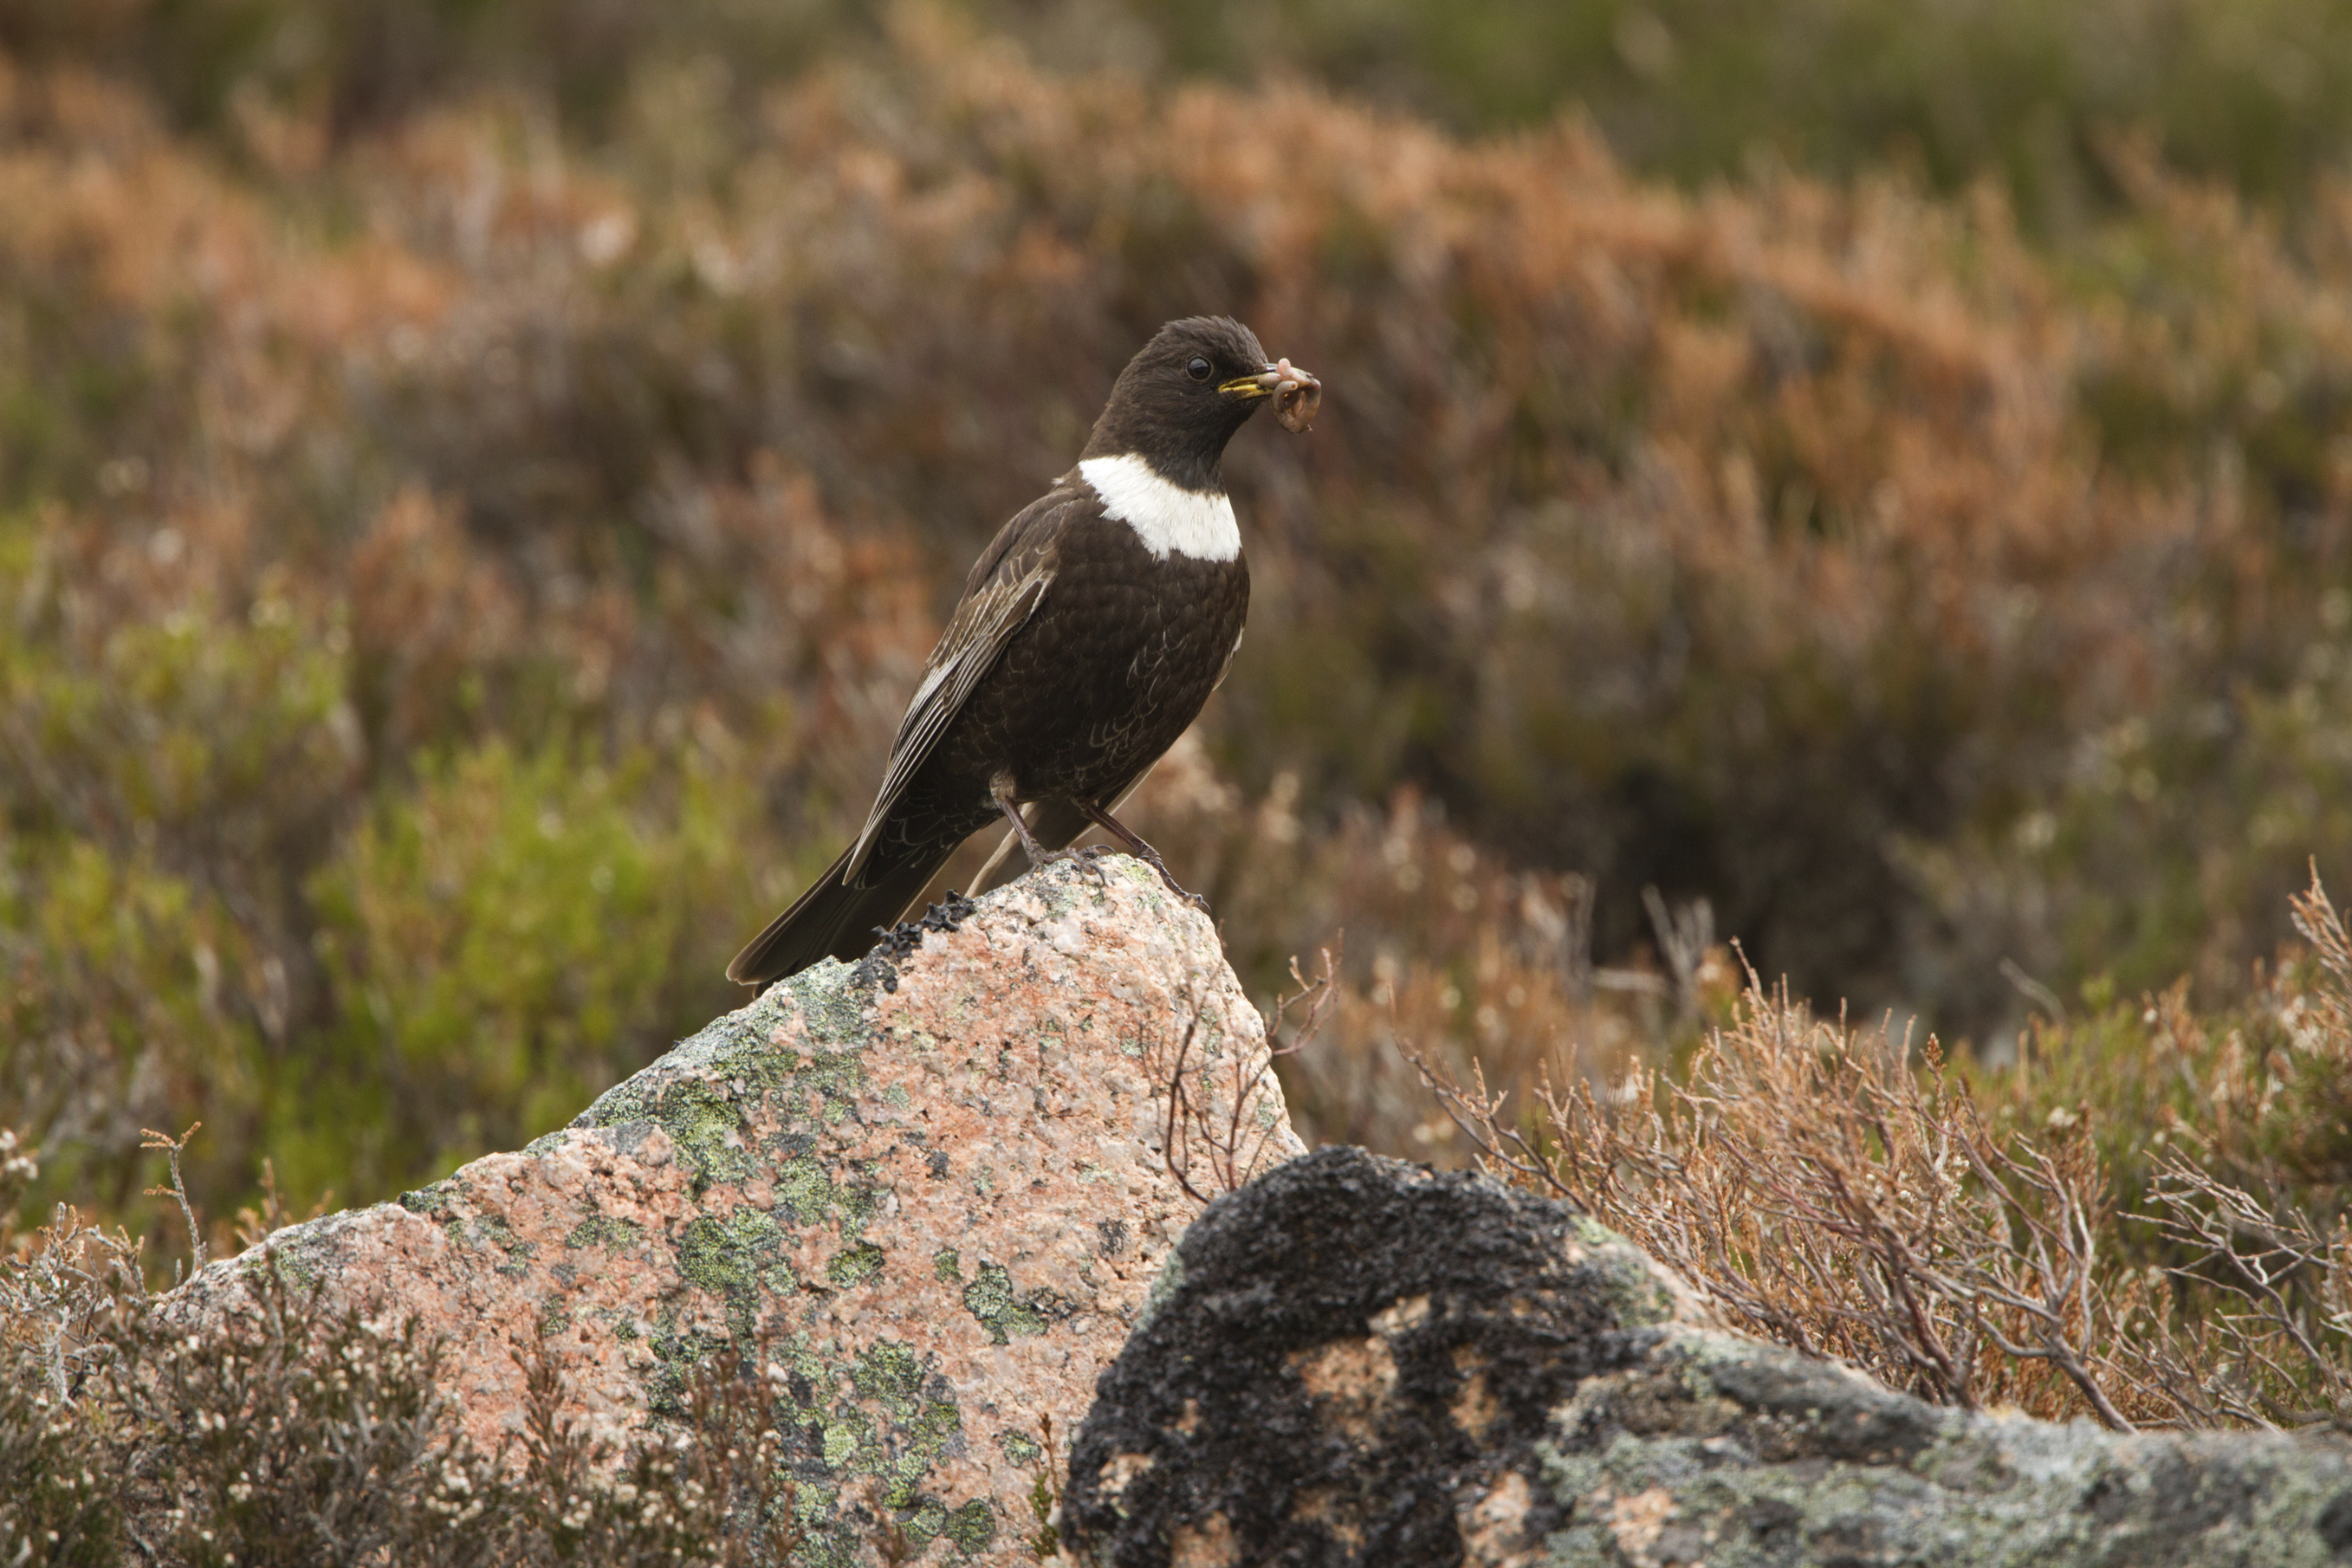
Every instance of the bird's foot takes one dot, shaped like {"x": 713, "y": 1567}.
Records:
{"x": 1145, "y": 853}
{"x": 1151, "y": 858}
{"x": 1039, "y": 856}
{"x": 1088, "y": 856}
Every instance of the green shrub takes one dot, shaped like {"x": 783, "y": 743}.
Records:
{"x": 506, "y": 940}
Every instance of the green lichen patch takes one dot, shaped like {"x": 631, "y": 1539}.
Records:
{"x": 904, "y": 1452}
{"x": 742, "y": 1045}
{"x": 890, "y": 1374}
{"x": 736, "y": 1258}
{"x": 493, "y": 1230}
{"x": 432, "y": 1202}
{"x": 835, "y": 1013}
{"x": 840, "y": 1434}
{"x": 702, "y": 1093}
{"x": 606, "y": 1231}
{"x": 1004, "y": 1311}
{"x": 854, "y": 1265}
{"x": 679, "y": 1354}
{"x": 302, "y": 1264}
{"x": 806, "y": 1189}
{"x": 825, "y": 1085}
{"x": 868, "y": 1430}
{"x": 1632, "y": 1290}
{"x": 707, "y": 1124}
{"x": 971, "y": 1529}
{"x": 946, "y": 1265}
{"x": 844, "y": 1539}
{"x": 300, "y": 1254}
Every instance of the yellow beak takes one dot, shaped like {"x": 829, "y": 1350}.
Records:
{"x": 1253, "y": 386}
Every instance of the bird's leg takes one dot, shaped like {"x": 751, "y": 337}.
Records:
{"x": 1143, "y": 852}
{"x": 1002, "y": 792}
{"x": 1000, "y": 789}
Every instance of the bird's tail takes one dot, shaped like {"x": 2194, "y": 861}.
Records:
{"x": 834, "y": 921}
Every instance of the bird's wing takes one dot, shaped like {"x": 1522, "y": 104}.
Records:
{"x": 1005, "y": 587}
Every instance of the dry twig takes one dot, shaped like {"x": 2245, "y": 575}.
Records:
{"x": 1219, "y": 1130}
{"x": 171, "y": 1149}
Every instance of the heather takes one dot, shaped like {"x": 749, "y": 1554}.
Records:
{"x": 461, "y": 564}
{"x": 2251, "y": 92}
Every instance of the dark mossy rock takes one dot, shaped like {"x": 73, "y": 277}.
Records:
{"x": 1356, "y": 1360}
{"x": 1343, "y": 1350}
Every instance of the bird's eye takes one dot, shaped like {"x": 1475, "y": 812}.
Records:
{"x": 1199, "y": 369}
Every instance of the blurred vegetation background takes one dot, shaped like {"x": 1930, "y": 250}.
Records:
{"x": 478, "y": 479}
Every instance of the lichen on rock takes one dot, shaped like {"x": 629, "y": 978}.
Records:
{"x": 1354, "y": 1344}
{"x": 930, "y": 1184}
{"x": 1361, "y": 1362}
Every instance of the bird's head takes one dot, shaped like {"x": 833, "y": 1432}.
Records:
{"x": 1194, "y": 384}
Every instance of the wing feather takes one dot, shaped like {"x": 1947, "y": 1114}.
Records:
{"x": 1005, "y": 588}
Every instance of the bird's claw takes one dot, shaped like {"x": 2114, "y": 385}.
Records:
{"x": 1087, "y": 855}
{"x": 1090, "y": 857}
{"x": 1195, "y": 899}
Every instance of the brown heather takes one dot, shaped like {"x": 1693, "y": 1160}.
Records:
{"x": 285, "y": 1433}
{"x": 1960, "y": 1242}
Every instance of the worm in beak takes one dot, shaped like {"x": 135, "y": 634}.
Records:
{"x": 1297, "y": 395}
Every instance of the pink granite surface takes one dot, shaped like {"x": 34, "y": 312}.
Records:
{"x": 935, "y": 1186}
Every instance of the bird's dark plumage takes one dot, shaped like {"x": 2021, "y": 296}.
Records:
{"x": 1089, "y": 634}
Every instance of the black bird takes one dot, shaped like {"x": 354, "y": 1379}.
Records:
{"x": 1089, "y": 634}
